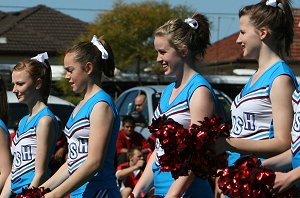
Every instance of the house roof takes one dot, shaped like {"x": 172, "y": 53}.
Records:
{"x": 38, "y": 29}
{"x": 227, "y": 49}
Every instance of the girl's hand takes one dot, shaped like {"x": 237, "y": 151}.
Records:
{"x": 283, "y": 182}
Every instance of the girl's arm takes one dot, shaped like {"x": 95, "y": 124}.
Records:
{"x": 101, "y": 120}
{"x": 59, "y": 177}
{"x": 45, "y": 136}
{"x": 146, "y": 180}
{"x": 201, "y": 106}
{"x": 5, "y": 159}
{"x": 279, "y": 162}
{"x": 6, "y": 192}
{"x": 281, "y": 97}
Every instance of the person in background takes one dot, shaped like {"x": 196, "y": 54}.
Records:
{"x": 180, "y": 45}
{"x": 139, "y": 102}
{"x": 137, "y": 114}
{"x": 92, "y": 128}
{"x": 35, "y": 140}
{"x": 262, "y": 114}
{"x": 130, "y": 172}
{"x": 5, "y": 159}
{"x": 128, "y": 138}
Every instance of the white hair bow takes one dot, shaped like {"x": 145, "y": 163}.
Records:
{"x": 96, "y": 42}
{"x": 41, "y": 58}
{"x": 272, "y": 3}
{"x": 192, "y": 22}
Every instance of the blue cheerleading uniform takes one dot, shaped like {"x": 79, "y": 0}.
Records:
{"x": 179, "y": 111}
{"x": 24, "y": 148}
{"x": 251, "y": 111}
{"x": 77, "y": 131}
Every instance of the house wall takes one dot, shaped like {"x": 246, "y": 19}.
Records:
{"x": 13, "y": 59}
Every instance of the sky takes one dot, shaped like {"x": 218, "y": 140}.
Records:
{"x": 223, "y": 14}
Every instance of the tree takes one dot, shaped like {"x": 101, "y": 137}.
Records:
{"x": 129, "y": 29}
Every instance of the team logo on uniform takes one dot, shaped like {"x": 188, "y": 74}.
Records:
{"x": 81, "y": 147}
{"x": 245, "y": 123}
{"x": 24, "y": 155}
{"x": 296, "y": 125}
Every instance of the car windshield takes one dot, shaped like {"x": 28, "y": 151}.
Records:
{"x": 155, "y": 100}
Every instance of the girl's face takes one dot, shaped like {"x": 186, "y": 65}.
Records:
{"x": 167, "y": 56}
{"x": 23, "y": 86}
{"x": 75, "y": 74}
{"x": 249, "y": 38}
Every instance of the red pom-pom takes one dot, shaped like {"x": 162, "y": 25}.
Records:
{"x": 32, "y": 192}
{"x": 247, "y": 178}
{"x": 190, "y": 149}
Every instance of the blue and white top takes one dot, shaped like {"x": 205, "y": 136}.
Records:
{"x": 77, "y": 131}
{"x": 24, "y": 148}
{"x": 251, "y": 111}
{"x": 179, "y": 111}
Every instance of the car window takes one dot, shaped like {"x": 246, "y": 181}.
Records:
{"x": 155, "y": 100}
{"x": 145, "y": 111}
{"x": 125, "y": 104}
{"x": 226, "y": 106}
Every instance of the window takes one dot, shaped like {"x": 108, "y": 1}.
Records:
{"x": 125, "y": 104}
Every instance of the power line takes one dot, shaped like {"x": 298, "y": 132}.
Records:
{"x": 69, "y": 9}
{"x": 103, "y": 10}
{"x": 220, "y": 13}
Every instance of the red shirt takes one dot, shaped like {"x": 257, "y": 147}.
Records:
{"x": 136, "y": 140}
{"x": 130, "y": 180}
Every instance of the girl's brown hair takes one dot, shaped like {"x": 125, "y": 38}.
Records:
{"x": 88, "y": 52}
{"x": 37, "y": 70}
{"x": 182, "y": 34}
{"x": 278, "y": 19}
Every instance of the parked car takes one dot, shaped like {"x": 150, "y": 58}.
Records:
{"x": 125, "y": 104}
{"x": 61, "y": 108}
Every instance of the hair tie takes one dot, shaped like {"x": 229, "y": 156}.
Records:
{"x": 96, "y": 42}
{"x": 273, "y": 3}
{"x": 279, "y": 5}
{"x": 41, "y": 58}
{"x": 192, "y": 22}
